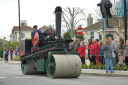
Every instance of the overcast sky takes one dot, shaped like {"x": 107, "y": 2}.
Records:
{"x": 36, "y": 12}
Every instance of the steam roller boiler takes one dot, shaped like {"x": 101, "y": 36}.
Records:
{"x": 49, "y": 53}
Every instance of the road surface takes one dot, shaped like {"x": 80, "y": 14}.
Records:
{"x": 10, "y": 74}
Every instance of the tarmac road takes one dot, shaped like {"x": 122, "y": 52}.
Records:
{"x": 10, "y": 74}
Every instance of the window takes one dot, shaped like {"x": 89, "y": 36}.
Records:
{"x": 100, "y": 37}
{"x": 92, "y": 35}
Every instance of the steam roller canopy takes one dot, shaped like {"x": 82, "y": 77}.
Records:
{"x": 64, "y": 66}
{"x": 35, "y": 39}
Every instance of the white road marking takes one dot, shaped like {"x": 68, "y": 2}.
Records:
{"x": 96, "y": 77}
{"x": 22, "y": 77}
{"x": 2, "y": 77}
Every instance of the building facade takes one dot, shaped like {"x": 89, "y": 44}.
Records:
{"x": 25, "y": 32}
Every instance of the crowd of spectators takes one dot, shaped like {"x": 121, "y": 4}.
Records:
{"x": 102, "y": 52}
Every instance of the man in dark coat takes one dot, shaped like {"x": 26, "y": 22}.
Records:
{"x": 6, "y": 55}
{"x": 105, "y": 6}
{"x": 49, "y": 30}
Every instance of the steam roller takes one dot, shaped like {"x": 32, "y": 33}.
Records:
{"x": 49, "y": 53}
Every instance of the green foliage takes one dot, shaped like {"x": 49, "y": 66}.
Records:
{"x": 12, "y": 45}
{"x": 16, "y": 58}
{"x": 8, "y": 45}
{"x": 1, "y": 42}
{"x": 67, "y": 35}
{"x": 125, "y": 68}
{"x": 114, "y": 68}
{"x": 1, "y": 51}
{"x": 85, "y": 66}
{"x": 100, "y": 66}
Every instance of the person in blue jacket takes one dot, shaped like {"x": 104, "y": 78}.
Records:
{"x": 101, "y": 53}
{"x": 6, "y": 55}
{"x": 35, "y": 30}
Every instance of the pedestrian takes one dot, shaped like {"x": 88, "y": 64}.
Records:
{"x": 121, "y": 41}
{"x": 81, "y": 51}
{"x": 11, "y": 52}
{"x": 106, "y": 38}
{"x": 98, "y": 51}
{"x": 95, "y": 52}
{"x": 101, "y": 52}
{"x": 107, "y": 48}
{"x": 114, "y": 48}
{"x": 17, "y": 51}
{"x": 89, "y": 46}
{"x": 76, "y": 44}
{"x": 117, "y": 51}
{"x": 126, "y": 52}
{"x": 71, "y": 46}
{"x": 97, "y": 41}
{"x": 6, "y": 55}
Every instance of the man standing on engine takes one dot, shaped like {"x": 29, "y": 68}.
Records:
{"x": 49, "y": 30}
{"x": 35, "y": 30}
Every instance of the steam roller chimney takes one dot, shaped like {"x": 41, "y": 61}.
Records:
{"x": 58, "y": 12}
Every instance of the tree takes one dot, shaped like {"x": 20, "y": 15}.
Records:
{"x": 1, "y": 42}
{"x": 70, "y": 17}
{"x": 68, "y": 36}
{"x": 8, "y": 45}
{"x": 114, "y": 7}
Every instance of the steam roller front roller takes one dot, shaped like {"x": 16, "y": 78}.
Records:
{"x": 62, "y": 66}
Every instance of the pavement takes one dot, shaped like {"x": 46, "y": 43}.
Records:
{"x": 102, "y": 72}
{"x": 10, "y": 74}
{"x": 13, "y": 62}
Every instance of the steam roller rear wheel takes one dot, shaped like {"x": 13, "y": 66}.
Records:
{"x": 28, "y": 68}
{"x": 69, "y": 66}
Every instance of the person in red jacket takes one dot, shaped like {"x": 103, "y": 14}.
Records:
{"x": 98, "y": 52}
{"x": 89, "y": 45}
{"x": 11, "y": 52}
{"x": 95, "y": 51}
{"x": 81, "y": 50}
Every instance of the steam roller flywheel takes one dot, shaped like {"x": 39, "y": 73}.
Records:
{"x": 61, "y": 66}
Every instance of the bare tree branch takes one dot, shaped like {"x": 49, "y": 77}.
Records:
{"x": 69, "y": 17}
{"x": 78, "y": 21}
{"x": 64, "y": 15}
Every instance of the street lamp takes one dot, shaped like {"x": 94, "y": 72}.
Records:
{"x": 125, "y": 19}
{"x": 4, "y": 47}
{"x": 19, "y": 18}
{"x": 4, "y": 38}
{"x": 84, "y": 33}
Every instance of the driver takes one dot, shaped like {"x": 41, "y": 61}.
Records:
{"x": 35, "y": 30}
{"x": 49, "y": 30}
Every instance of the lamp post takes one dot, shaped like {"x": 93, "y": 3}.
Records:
{"x": 19, "y": 18}
{"x": 4, "y": 47}
{"x": 125, "y": 19}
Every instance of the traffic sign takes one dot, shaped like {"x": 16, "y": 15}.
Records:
{"x": 79, "y": 30}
